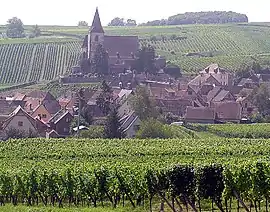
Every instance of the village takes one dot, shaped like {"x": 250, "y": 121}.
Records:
{"x": 215, "y": 95}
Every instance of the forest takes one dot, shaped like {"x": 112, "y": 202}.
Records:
{"x": 211, "y": 17}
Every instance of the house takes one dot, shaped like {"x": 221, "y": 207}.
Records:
{"x": 41, "y": 112}
{"x": 213, "y": 75}
{"x": 228, "y": 111}
{"x": 35, "y": 98}
{"x": 21, "y": 120}
{"x": 130, "y": 124}
{"x": 60, "y": 122}
{"x": 204, "y": 115}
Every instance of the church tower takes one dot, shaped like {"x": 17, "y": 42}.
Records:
{"x": 95, "y": 35}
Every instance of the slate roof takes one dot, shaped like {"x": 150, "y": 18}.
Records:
{"x": 220, "y": 96}
{"x": 213, "y": 93}
{"x": 96, "y": 24}
{"x": 124, "y": 45}
{"x": 200, "y": 113}
{"x": 7, "y": 107}
{"x": 58, "y": 116}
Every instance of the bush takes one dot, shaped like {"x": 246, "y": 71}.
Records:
{"x": 93, "y": 132}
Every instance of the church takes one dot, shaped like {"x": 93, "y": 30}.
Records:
{"x": 120, "y": 49}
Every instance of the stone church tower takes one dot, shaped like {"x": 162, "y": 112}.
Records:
{"x": 95, "y": 36}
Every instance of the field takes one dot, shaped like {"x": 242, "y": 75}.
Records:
{"x": 192, "y": 47}
{"x": 133, "y": 172}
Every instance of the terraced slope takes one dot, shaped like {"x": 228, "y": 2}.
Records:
{"x": 192, "y": 47}
{"x": 36, "y": 62}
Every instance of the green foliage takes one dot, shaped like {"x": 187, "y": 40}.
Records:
{"x": 237, "y": 130}
{"x": 83, "y": 23}
{"x": 105, "y": 99}
{"x": 15, "y": 28}
{"x": 152, "y": 128}
{"x": 100, "y": 61}
{"x": 141, "y": 103}
{"x": 173, "y": 70}
{"x": 216, "y": 17}
{"x": 93, "y": 132}
{"x": 261, "y": 99}
{"x": 121, "y": 22}
{"x": 14, "y": 133}
{"x": 36, "y": 31}
{"x": 145, "y": 61}
{"x": 113, "y": 126}
{"x": 36, "y": 62}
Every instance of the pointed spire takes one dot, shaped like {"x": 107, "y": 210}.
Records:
{"x": 96, "y": 24}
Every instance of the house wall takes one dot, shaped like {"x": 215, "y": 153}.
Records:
{"x": 14, "y": 123}
{"x": 62, "y": 127}
{"x": 42, "y": 111}
{"x": 131, "y": 132}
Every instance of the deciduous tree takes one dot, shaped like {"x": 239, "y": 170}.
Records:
{"x": 15, "y": 28}
{"x": 105, "y": 99}
{"x": 141, "y": 103}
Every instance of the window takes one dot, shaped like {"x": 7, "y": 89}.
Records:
{"x": 189, "y": 92}
{"x": 96, "y": 38}
{"x": 67, "y": 120}
{"x": 20, "y": 123}
{"x": 44, "y": 116}
{"x": 66, "y": 130}
{"x": 246, "y": 105}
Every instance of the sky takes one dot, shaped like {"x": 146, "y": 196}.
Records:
{"x": 67, "y": 12}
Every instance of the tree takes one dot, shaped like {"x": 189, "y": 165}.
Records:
{"x": 15, "y": 28}
{"x": 173, "y": 70}
{"x": 100, "y": 61}
{"x": 36, "y": 31}
{"x": 105, "y": 98}
{"x": 113, "y": 126}
{"x": 145, "y": 60}
{"x": 141, "y": 103}
{"x": 131, "y": 22}
{"x": 87, "y": 114}
{"x": 82, "y": 23}
{"x": 261, "y": 98}
{"x": 93, "y": 132}
{"x": 117, "y": 22}
{"x": 151, "y": 128}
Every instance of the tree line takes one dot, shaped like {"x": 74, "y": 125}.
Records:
{"x": 211, "y": 17}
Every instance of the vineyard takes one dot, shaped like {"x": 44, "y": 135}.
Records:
{"x": 192, "y": 47}
{"x": 36, "y": 62}
{"x": 186, "y": 174}
{"x": 235, "y": 130}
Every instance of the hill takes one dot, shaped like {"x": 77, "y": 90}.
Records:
{"x": 211, "y": 17}
{"x": 192, "y": 47}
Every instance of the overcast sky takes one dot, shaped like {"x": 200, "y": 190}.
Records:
{"x": 67, "y": 12}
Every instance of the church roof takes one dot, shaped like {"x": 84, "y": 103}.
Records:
{"x": 96, "y": 24}
{"x": 124, "y": 45}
